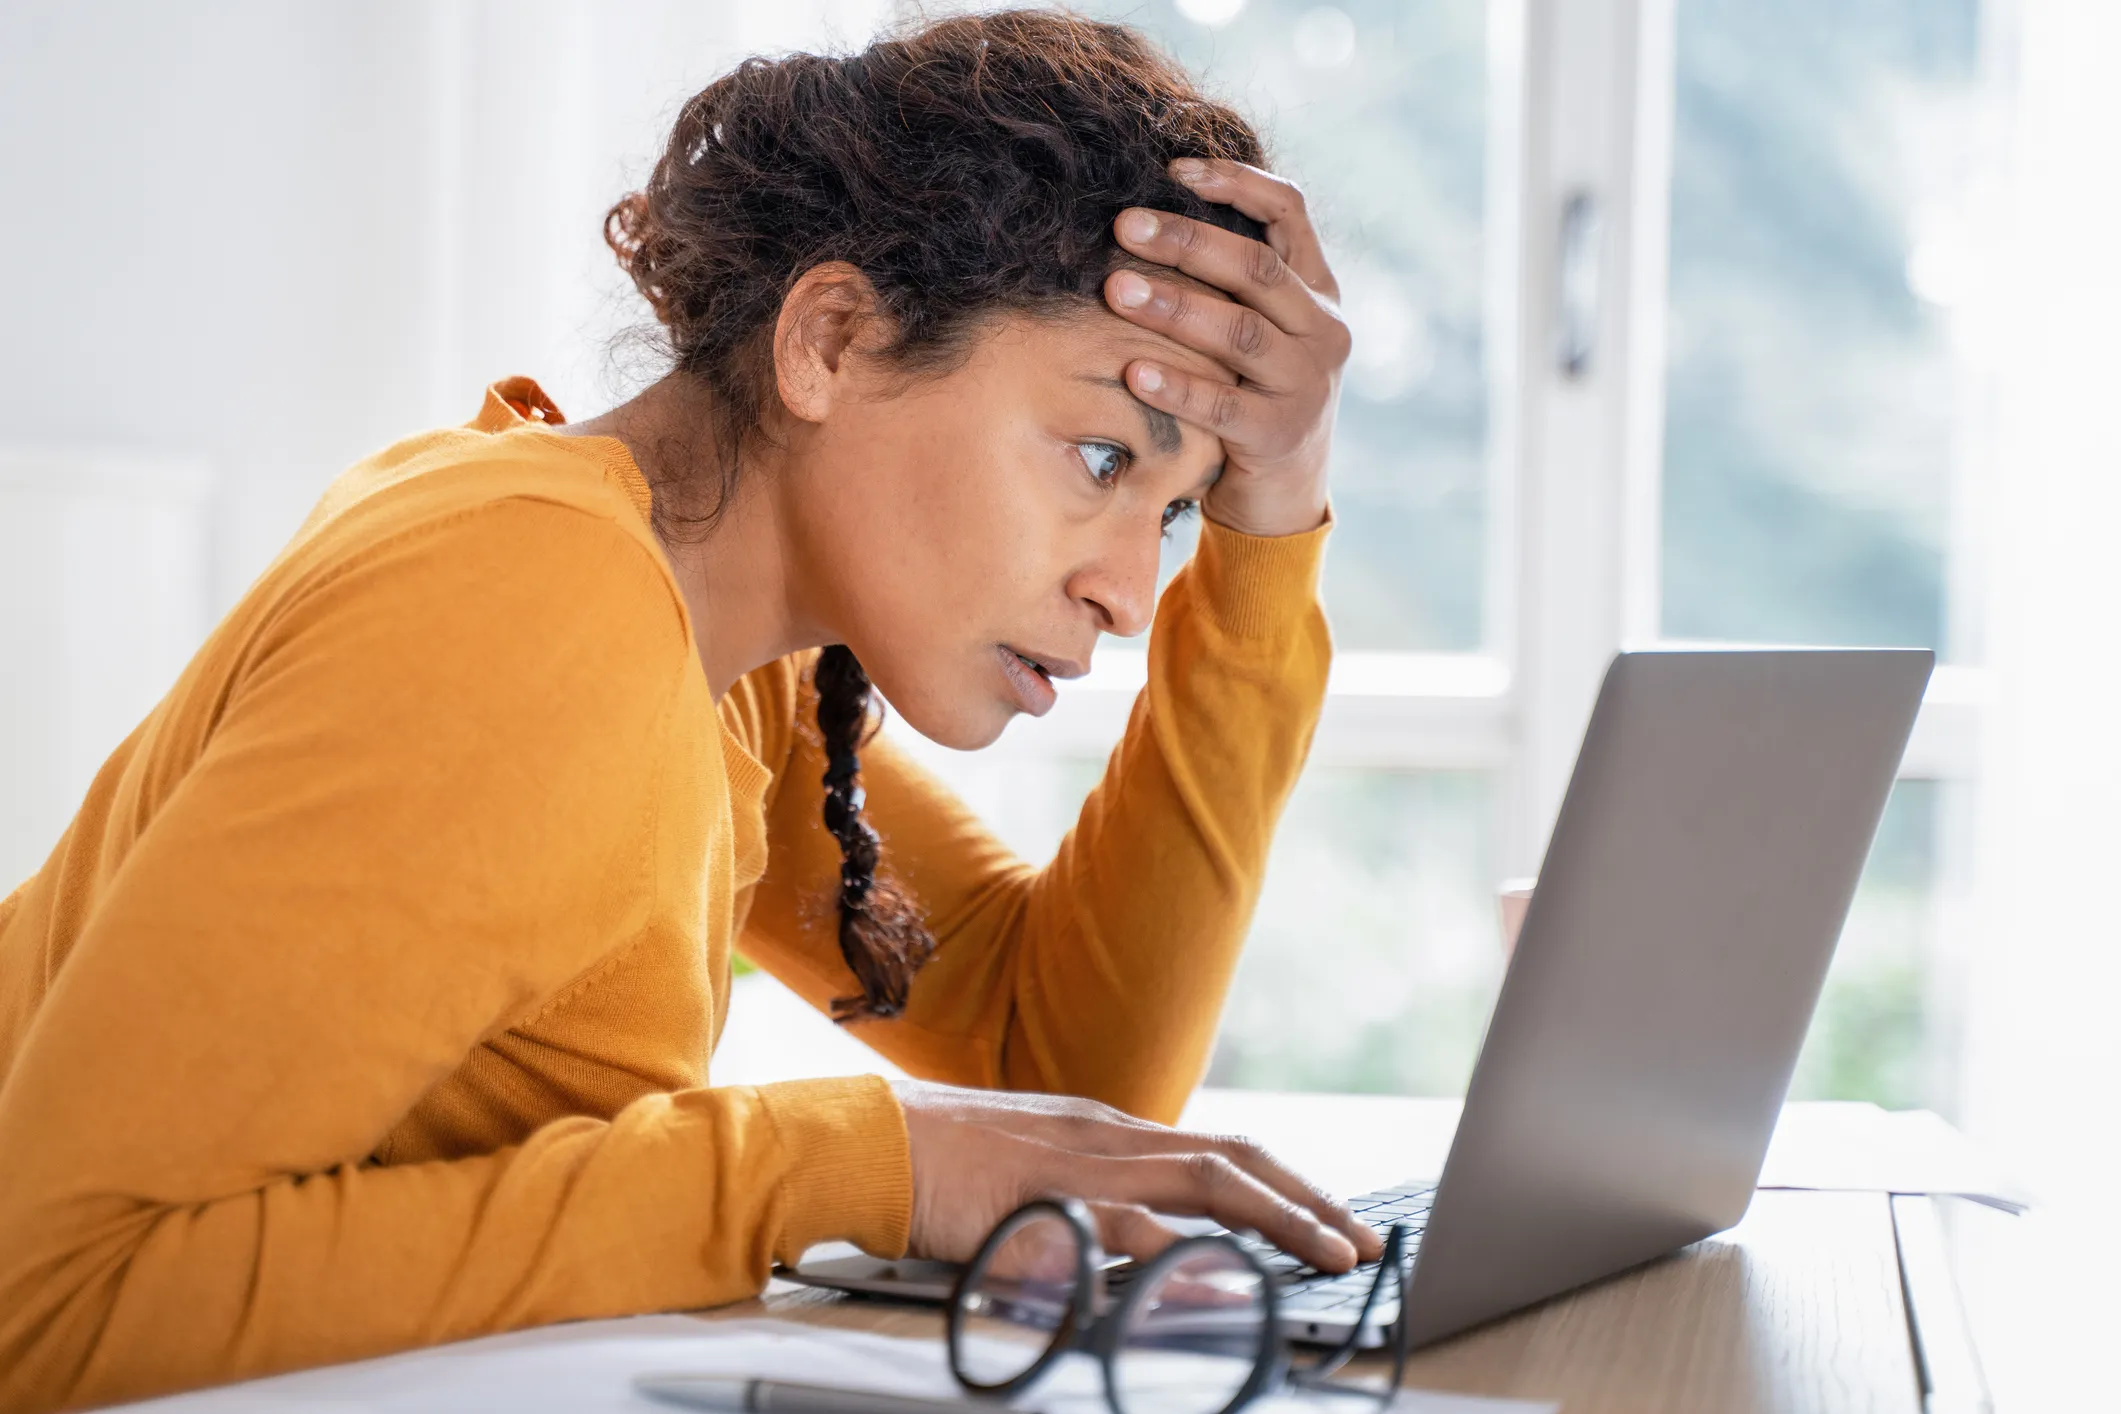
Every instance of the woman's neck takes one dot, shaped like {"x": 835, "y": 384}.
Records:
{"x": 737, "y": 576}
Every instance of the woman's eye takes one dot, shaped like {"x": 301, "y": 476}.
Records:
{"x": 1103, "y": 460}
{"x": 1176, "y": 512}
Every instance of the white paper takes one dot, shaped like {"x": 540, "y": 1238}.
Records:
{"x": 589, "y": 1366}
{"x": 1857, "y": 1145}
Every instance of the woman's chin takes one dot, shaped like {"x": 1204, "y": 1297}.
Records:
{"x": 965, "y": 731}
{"x": 966, "y": 723}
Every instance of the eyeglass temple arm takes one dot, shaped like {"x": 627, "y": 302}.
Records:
{"x": 1329, "y": 1363}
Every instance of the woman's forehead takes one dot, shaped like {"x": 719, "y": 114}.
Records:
{"x": 1096, "y": 339}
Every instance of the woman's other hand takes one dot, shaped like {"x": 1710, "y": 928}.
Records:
{"x": 978, "y": 1155}
{"x": 1280, "y": 332}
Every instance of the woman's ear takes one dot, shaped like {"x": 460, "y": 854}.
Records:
{"x": 822, "y": 318}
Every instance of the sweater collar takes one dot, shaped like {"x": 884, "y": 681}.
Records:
{"x": 519, "y": 404}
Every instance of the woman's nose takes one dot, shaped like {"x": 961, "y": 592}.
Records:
{"x": 1121, "y": 587}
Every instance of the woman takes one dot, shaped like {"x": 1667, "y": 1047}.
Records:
{"x": 368, "y": 1000}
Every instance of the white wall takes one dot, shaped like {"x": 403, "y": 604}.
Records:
{"x": 253, "y": 241}
{"x": 105, "y": 575}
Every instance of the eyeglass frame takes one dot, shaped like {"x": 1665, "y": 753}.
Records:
{"x": 1100, "y": 1337}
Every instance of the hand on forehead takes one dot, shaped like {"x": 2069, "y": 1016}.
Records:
{"x": 1262, "y": 338}
{"x": 1161, "y": 346}
{"x": 1133, "y": 342}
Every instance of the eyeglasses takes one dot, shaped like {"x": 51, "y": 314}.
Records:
{"x": 1194, "y": 1331}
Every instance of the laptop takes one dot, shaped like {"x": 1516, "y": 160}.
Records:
{"x": 1695, "y": 883}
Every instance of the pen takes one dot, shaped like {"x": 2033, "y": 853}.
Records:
{"x": 737, "y": 1394}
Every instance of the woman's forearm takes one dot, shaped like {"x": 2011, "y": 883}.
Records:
{"x": 679, "y": 1201}
{"x": 1131, "y": 934}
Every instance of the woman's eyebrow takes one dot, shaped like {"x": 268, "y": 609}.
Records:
{"x": 1163, "y": 427}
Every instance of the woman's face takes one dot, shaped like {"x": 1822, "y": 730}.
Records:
{"x": 970, "y": 534}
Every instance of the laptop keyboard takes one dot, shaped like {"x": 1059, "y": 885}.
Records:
{"x": 1307, "y": 1291}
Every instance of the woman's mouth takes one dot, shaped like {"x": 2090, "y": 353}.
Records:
{"x": 1030, "y": 679}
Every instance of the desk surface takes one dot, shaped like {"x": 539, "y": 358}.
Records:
{"x": 1798, "y": 1308}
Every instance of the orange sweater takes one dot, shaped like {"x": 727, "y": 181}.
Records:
{"x": 367, "y": 1002}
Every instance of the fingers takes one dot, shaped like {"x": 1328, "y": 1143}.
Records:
{"x": 1267, "y": 1169}
{"x": 1206, "y": 1183}
{"x": 1233, "y": 334}
{"x": 1275, "y": 203}
{"x": 1100, "y": 1129}
{"x": 1130, "y": 1230}
{"x": 978, "y": 1155}
{"x": 1252, "y": 271}
{"x": 1043, "y": 1250}
{"x": 1234, "y": 414}
{"x": 1279, "y": 331}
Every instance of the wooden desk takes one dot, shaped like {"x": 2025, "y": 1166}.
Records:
{"x": 1798, "y": 1308}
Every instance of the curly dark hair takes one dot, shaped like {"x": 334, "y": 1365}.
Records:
{"x": 970, "y": 168}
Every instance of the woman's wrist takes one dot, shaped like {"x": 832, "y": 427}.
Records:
{"x": 1271, "y": 520}
{"x": 849, "y": 1174}
{"x": 1258, "y": 586}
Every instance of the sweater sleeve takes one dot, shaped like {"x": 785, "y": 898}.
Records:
{"x": 419, "y": 815}
{"x": 1104, "y": 973}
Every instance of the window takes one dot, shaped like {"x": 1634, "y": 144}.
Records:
{"x": 1824, "y": 156}
{"x": 1823, "y": 423}
{"x": 1376, "y": 933}
{"x": 1404, "y": 207}
{"x": 1766, "y": 440}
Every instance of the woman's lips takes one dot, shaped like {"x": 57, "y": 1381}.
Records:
{"x": 1033, "y": 692}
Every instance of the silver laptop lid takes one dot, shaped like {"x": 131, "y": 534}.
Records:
{"x": 1694, "y": 886}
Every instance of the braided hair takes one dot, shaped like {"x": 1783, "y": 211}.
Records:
{"x": 882, "y": 936}
{"x": 969, "y": 167}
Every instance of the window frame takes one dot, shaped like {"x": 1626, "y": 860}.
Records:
{"x": 1580, "y": 109}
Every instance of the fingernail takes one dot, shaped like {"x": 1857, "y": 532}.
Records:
{"x": 1138, "y": 225}
{"x": 1189, "y": 169}
{"x": 1130, "y": 290}
{"x": 1148, "y": 378}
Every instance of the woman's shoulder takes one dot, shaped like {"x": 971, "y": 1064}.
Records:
{"x": 451, "y": 471}
{"x": 501, "y": 494}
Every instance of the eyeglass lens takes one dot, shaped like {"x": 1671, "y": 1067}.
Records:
{"x": 1192, "y": 1334}
{"x": 1015, "y": 1304}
